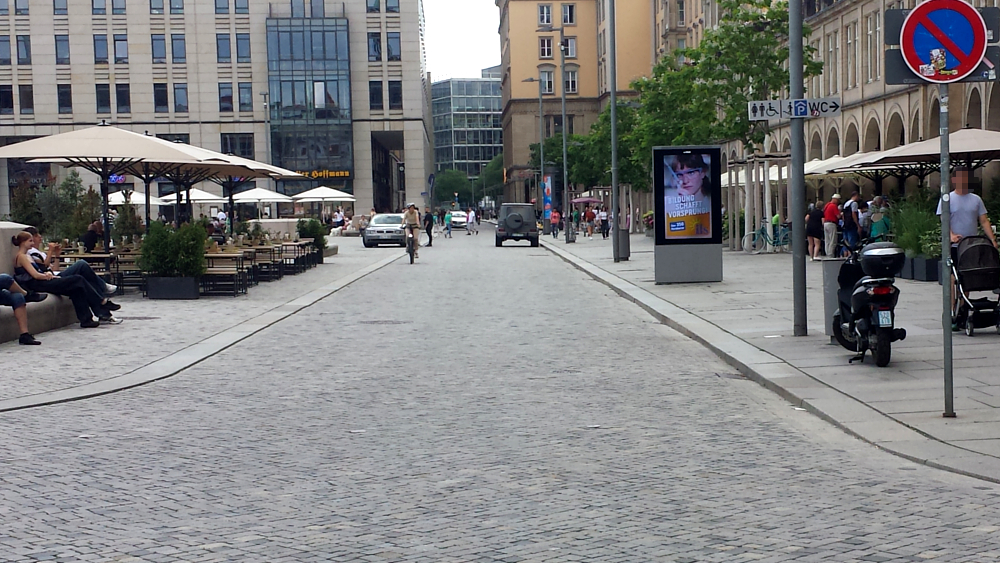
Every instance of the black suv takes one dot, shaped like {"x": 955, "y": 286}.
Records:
{"x": 516, "y": 221}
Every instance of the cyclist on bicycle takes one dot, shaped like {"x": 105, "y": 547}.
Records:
{"x": 411, "y": 224}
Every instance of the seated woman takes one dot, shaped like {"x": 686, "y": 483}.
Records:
{"x": 13, "y": 296}
{"x": 85, "y": 299}
{"x": 50, "y": 261}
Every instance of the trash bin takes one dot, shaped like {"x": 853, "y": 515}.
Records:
{"x": 831, "y": 269}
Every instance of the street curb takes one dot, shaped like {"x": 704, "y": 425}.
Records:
{"x": 847, "y": 413}
{"x": 183, "y": 359}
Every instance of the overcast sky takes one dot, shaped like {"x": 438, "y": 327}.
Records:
{"x": 462, "y": 37}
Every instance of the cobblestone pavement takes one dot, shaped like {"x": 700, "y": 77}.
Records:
{"x": 150, "y": 330}
{"x": 482, "y": 405}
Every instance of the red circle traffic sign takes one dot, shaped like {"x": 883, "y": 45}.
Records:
{"x": 943, "y": 41}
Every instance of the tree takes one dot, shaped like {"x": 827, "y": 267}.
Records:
{"x": 449, "y": 182}
{"x": 56, "y": 204}
{"x": 493, "y": 175}
{"x": 24, "y": 205}
{"x": 88, "y": 210}
{"x": 744, "y": 59}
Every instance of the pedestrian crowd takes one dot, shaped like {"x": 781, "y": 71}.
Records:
{"x": 834, "y": 229}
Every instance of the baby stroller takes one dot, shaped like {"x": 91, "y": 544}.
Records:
{"x": 977, "y": 268}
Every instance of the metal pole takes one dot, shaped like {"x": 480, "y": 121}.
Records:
{"x": 562, "y": 89}
{"x": 541, "y": 138}
{"x": 615, "y": 196}
{"x": 797, "y": 173}
{"x": 949, "y": 389}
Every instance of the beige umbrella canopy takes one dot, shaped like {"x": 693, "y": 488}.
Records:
{"x": 323, "y": 193}
{"x": 258, "y": 195}
{"x": 135, "y": 198}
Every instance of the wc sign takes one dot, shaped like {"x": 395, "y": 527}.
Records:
{"x": 793, "y": 109}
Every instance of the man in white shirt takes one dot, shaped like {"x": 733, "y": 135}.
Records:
{"x": 470, "y": 225}
{"x": 222, "y": 217}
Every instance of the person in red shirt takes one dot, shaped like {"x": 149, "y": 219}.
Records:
{"x": 831, "y": 215}
{"x": 554, "y": 220}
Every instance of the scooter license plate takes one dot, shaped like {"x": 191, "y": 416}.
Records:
{"x": 885, "y": 319}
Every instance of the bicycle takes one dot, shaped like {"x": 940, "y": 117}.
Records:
{"x": 411, "y": 243}
{"x": 758, "y": 241}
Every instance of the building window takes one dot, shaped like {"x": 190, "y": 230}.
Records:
{"x": 98, "y": 7}
{"x": 246, "y": 96}
{"x": 547, "y": 77}
{"x": 26, "y": 95}
{"x": 178, "y": 49}
{"x": 159, "y": 44}
{"x": 569, "y": 14}
{"x": 64, "y": 98}
{"x": 180, "y": 98}
{"x": 59, "y": 7}
{"x": 20, "y": 7}
{"x": 6, "y": 99}
{"x": 4, "y": 49}
{"x": 392, "y": 46}
{"x": 239, "y": 144}
{"x": 62, "y": 49}
{"x": 242, "y": 6}
{"x": 221, "y": 6}
{"x": 24, "y": 49}
{"x": 225, "y": 97}
{"x": 242, "y": 47}
{"x": 680, "y": 13}
{"x": 392, "y": 6}
{"x": 176, "y": 6}
{"x": 155, "y": 6}
{"x": 161, "y": 101}
{"x": 123, "y": 98}
{"x": 224, "y": 51}
{"x": 831, "y": 68}
{"x": 545, "y": 14}
{"x": 571, "y": 81}
{"x": 853, "y": 45}
{"x": 545, "y": 47}
{"x": 118, "y": 7}
{"x": 298, "y": 8}
{"x": 374, "y": 47}
{"x": 872, "y": 46}
{"x": 5, "y": 11}
{"x": 395, "y": 94}
{"x": 103, "y": 92}
{"x": 571, "y": 47}
{"x": 100, "y": 49}
{"x": 375, "y": 95}
{"x": 374, "y": 6}
{"x": 318, "y": 9}
{"x": 121, "y": 49}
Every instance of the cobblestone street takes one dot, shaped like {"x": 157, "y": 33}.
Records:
{"x": 486, "y": 404}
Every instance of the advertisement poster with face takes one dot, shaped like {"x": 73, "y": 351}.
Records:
{"x": 687, "y": 182}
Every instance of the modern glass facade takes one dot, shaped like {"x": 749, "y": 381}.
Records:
{"x": 467, "y": 127}
{"x": 309, "y": 77}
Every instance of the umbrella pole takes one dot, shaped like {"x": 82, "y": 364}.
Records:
{"x": 149, "y": 182}
{"x": 105, "y": 173}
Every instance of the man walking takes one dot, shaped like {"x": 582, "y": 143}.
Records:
{"x": 447, "y": 224}
{"x": 470, "y": 225}
{"x": 831, "y": 214}
{"x": 429, "y": 225}
{"x": 852, "y": 223}
{"x": 554, "y": 220}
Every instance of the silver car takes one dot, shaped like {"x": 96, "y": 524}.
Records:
{"x": 384, "y": 228}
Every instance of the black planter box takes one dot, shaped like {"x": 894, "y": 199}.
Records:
{"x": 907, "y": 272}
{"x": 925, "y": 269}
{"x": 172, "y": 288}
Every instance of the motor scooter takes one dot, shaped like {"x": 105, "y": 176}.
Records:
{"x": 867, "y": 296}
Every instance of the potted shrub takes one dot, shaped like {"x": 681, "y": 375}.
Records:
{"x": 173, "y": 262}
{"x": 648, "y": 221}
{"x": 910, "y": 222}
{"x": 926, "y": 264}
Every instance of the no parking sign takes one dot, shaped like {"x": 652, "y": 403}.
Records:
{"x": 943, "y": 41}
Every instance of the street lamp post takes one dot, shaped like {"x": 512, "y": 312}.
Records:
{"x": 619, "y": 244}
{"x": 570, "y": 235}
{"x": 541, "y": 138}
{"x": 267, "y": 125}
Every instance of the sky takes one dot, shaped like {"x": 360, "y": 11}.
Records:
{"x": 461, "y": 37}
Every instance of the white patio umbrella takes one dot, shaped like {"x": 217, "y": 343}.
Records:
{"x": 135, "y": 198}
{"x": 258, "y": 195}
{"x": 323, "y": 193}
{"x": 103, "y": 150}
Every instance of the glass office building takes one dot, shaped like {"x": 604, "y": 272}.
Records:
{"x": 309, "y": 79}
{"x": 467, "y": 128}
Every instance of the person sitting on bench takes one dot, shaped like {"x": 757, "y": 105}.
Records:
{"x": 50, "y": 261}
{"x": 12, "y": 295}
